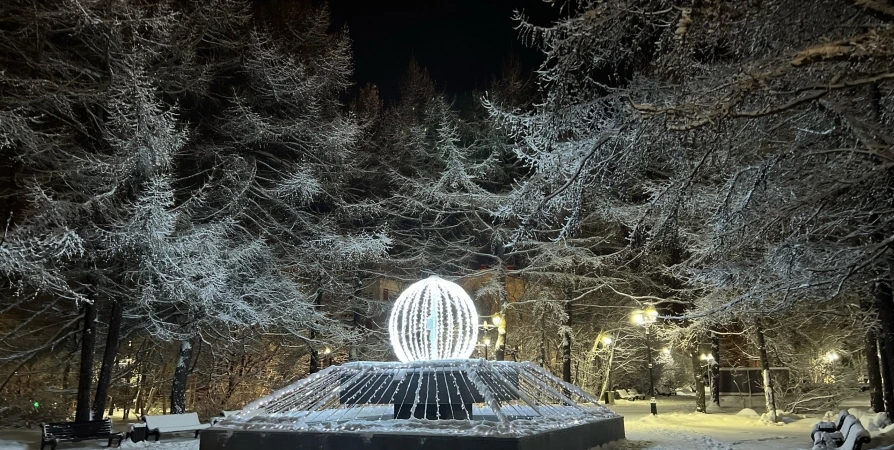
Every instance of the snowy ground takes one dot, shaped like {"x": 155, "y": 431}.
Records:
{"x": 675, "y": 428}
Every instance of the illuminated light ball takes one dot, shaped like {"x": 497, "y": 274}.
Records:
{"x": 433, "y": 319}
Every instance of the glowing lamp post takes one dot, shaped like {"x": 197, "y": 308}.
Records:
{"x": 645, "y": 319}
{"x": 831, "y": 357}
{"x": 606, "y": 342}
{"x": 433, "y": 319}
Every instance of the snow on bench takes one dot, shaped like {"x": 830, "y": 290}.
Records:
{"x": 829, "y": 427}
{"x": 626, "y": 394}
{"x": 223, "y": 415}
{"x": 173, "y": 423}
{"x": 634, "y": 394}
{"x": 851, "y": 437}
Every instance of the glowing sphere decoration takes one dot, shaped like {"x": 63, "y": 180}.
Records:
{"x": 433, "y": 319}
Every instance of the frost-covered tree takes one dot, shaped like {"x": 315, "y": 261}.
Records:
{"x": 710, "y": 130}
{"x": 181, "y": 160}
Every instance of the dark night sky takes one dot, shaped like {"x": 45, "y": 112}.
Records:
{"x": 461, "y": 42}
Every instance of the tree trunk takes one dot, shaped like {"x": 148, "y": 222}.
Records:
{"x": 108, "y": 360}
{"x": 769, "y": 393}
{"x": 715, "y": 368}
{"x": 314, "y": 360}
{"x": 181, "y": 372}
{"x": 354, "y": 350}
{"x": 542, "y": 341}
{"x": 85, "y": 374}
{"x": 698, "y": 380}
{"x": 141, "y": 392}
{"x": 500, "y": 346}
{"x": 566, "y": 344}
{"x": 314, "y": 366}
{"x": 66, "y": 371}
{"x": 887, "y": 382}
{"x": 885, "y": 305}
{"x": 873, "y": 367}
{"x": 607, "y": 379}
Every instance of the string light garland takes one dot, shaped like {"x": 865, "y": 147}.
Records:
{"x": 433, "y": 319}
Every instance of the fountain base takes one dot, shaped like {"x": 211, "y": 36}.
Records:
{"x": 578, "y": 437}
{"x": 431, "y": 405}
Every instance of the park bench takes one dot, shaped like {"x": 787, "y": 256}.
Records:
{"x": 622, "y": 394}
{"x": 173, "y": 423}
{"x": 634, "y": 394}
{"x": 630, "y": 394}
{"x": 223, "y": 415}
{"x": 852, "y": 436}
{"x": 53, "y": 433}
{"x": 833, "y": 439}
{"x": 829, "y": 427}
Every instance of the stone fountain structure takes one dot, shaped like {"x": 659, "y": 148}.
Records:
{"x": 435, "y": 398}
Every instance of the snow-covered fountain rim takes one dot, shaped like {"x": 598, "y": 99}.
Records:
{"x": 433, "y": 365}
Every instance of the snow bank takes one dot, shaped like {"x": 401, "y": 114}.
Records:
{"x": 12, "y": 445}
{"x": 191, "y": 444}
{"x": 782, "y": 418}
{"x": 872, "y": 421}
{"x": 884, "y": 440}
{"x": 748, "y": 412}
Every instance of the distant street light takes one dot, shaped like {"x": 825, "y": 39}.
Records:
{"x": 606, "y": 341}
{"x": 486, "y": 345}
{"x": 328, "y": 351}
{"x": 645, "y": 319}
{"x": 497, "y": 321}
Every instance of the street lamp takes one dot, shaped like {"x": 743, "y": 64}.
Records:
{"x": 606, "y": 341}
{"x": 830, "y": 359}
{"x": 832, "y": 356}
{"x": 645, "y": 319}
{"x": 497, "y": 320}
{"x": 708, "y": 358}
